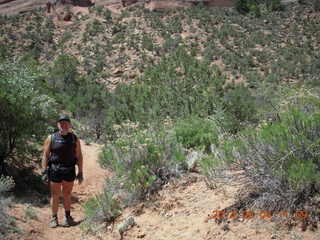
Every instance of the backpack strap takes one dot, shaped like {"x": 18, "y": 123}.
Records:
{"x": 74, "y": 142}
{"x": 74, "y": 139}
{"x": 52, "y": 138}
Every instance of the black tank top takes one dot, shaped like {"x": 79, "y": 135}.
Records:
{"x": 63, "y": 149}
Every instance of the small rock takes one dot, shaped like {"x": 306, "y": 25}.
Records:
{"x": 117, "y": 71}
{"x": 193, "y": 159}
{"x": 126, "y": 225}
{"x": 225, "y": 227}
{"x": 141, "y": 235}
{"x": 274, "y": 236}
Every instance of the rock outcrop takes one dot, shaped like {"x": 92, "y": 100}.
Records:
{"x": 162, "y": 6}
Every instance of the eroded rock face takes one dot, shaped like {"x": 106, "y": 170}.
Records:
{"x": 5, "y": 1}
{"x": 219, "y": 3}
{"x": 126, "y": 3}
{"x": 161, "y": 6}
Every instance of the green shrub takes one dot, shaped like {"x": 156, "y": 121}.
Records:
{"x": 195, "y": 132}
{"x": 316, "y": 5}
{"x": 254, "y": 6}
{"x": 89, "y": 105}
{"x": 30, "y": 213}
{"x": 100, "y": 209}
{"x": 144, "y": 159}
{"x": 4, "y": 51}
{"x": 63, "y": 75}
{"x": 7, "y": 225}
{"x": 240, "y": 105}
{"x": 280, "y": 159}
{"x": 22, "y": 103}
{"x": 274, "y": 5}
{"x": 244, "y": 6}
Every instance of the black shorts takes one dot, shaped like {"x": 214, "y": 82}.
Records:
{"x": 59, "y": 173}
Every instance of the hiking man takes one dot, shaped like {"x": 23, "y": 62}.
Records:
{"x": 61, "y": 153}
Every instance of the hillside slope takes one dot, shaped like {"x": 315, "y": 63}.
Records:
{"x": 105, "y": 47}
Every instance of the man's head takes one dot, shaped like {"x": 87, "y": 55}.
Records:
{"x": 64, "y": 124}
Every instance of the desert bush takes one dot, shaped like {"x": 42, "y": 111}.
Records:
{"x": 26, "y": 111}
{"x": 101, "y": 209}
{"x": 144, "y": 159}
{"x": 240, "y": 104}
{"x": 6, "y": 222}
{"x": 6, "y": 184}
{"x": 254, "y": 6}
{"x": 4, "y": 51}
{"x": 89, "y": 105}
{"x": 63, "y": 76}
{"x": 244, "y": 6}
{"x": 280, "y": 159}
{"x": 274, "y": 5}
{"x": 195, "y": 132}
{"x": 29, "y": 213}
{"x": 94, "y": 28}
{"x": 316, "y": 5}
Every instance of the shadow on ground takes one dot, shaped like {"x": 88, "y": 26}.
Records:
{"x": 29, "y": 187}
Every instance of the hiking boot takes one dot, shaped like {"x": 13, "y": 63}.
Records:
{"x": 68, "y": 221}
{"x": 54, "y": 222}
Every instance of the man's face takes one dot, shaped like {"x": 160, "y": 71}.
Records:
{"x": 64, "y": 125}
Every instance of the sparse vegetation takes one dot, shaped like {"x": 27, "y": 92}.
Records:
{"x": 279, "y": 159}
{"x": 220, "y": 77}
{"x": 6, "y": 222}
{"x": 22, "y": 102}
{"x": 100, "y": 212}
{"x": 143, "y": 159}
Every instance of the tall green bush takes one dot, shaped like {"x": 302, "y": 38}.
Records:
{"x": 25, "y": 110}
{"x": 280, "y": 159}
{"x": 7, "y": 225}
{"x": 63, "y": 75}
{"x": 240, "y": 105}
{"x": 144, "y": 159}
{"x": 316, "y": 5}
{"x": 195, "y": 132}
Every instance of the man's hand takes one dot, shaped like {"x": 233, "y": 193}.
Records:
{"x": 79, "y": 177}
{"x": 45, "y": 176}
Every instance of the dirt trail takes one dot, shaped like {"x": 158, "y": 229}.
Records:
{"x": 93, "y": 184}
{"x": 178, "y": 212}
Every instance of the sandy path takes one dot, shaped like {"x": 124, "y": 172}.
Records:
{"x": 92, "y": 185}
